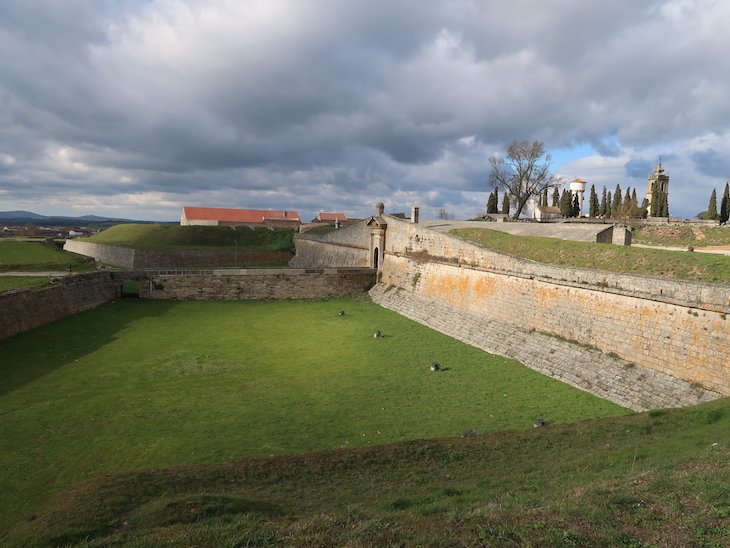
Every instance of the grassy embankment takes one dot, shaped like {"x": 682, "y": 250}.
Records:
{"x": 654, "y": 262}
{"x": 177, "y": 238}
{"x": 23, "y": 256}
{"x": 141, "y": 384}
{"x": 683, "y": 236}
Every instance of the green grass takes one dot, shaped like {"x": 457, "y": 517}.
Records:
{"x": 175, "y": 237}
{"x": 682, "y": 235}
{"x": 321, "y": 229}
{"x": 26, "y": 256}
{"x": 654, "y": 262}
{"x": 655, "y": 479}
{"x": 140, "y": 384}
{"x": 8, "y": 283}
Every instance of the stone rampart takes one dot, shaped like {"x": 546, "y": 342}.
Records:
{"x": 347, "y": 246}
{"x": 675, "y": 327}
{"x": 605, "y": 375}
{"x": 26, "y": 309}
{"x": 150, "y": 258}
{"x": 108, "y": 254}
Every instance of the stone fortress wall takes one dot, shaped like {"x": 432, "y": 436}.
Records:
{"x": 26, "y": 309}
{"x": 676, "y": 328}
{"x": 149, "y": 258}
{"x": 350, "y": 248}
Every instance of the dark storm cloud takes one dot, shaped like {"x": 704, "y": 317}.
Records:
{"x": 712, "y": 163}
{"x": 639, "y": 167}
{"x": 281, "y": 102}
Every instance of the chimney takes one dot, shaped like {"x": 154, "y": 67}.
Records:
{"x": 414, "y": 215}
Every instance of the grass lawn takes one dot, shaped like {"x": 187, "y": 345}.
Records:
{"x": 654, "y": 262}
{"x": 652, "y": 479}
{"x": 22, "y": 282}
{"x": 175, "y": 237}
{"x": 682, "y": 235}
{"x": 140, "y": 384}
{"x": 37, "y": 256}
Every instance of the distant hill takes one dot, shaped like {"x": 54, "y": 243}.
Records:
{"x": 20, "y": 215}
{"x": 24, "y": 217}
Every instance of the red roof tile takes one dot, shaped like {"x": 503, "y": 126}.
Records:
{"x": 331, "y": 216}
{"x": 238, "y": 215}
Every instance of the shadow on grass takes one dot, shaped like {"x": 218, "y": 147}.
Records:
{"x": 28, "y": 356}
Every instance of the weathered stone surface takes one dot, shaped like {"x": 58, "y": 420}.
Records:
{"x": 25, "y": 309}
{"x": 232, "y": 284}
{"x": 604, "y": 375}
{"x": 150, "y": 258}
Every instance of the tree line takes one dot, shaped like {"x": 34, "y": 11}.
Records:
{"x": 524, "y": 173}
{"x": 712, "y": 212}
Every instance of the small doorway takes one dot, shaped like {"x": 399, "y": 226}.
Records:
{"x": 376, "y": 254}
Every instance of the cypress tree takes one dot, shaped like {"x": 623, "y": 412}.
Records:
{"x": 725, "y": 205}
{"x": 609, "y": 213}
{"x": 556, "y": 197}
{"x": 565, "y": 204}
{"x": 635, "y": 213}
{"x": 602, "y": 207}
{"x": 661, "y": 210}
{"x": 644, "y": 208}
{"x": 505, "y": 204}
{"x": 665, "y": 204}
{"x": 655, "y": 205}
{"x": 593, "y": 207}
{"x": 492, "y": 203}
{"x": 626, "y": 204}
{"x": 616, "y": 205}
{"x": 712, "y": 206}
{"x": 575, "y": 209}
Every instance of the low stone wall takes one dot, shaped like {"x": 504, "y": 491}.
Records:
{"x": 149, "y": 258}
{"x": 605, "y": 375}
{"x": 26, "y": 309}
{"x": 238, "y": 284}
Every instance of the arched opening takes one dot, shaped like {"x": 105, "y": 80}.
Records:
{"x": 376, "y": 254}
{"x": 130, "y": 289}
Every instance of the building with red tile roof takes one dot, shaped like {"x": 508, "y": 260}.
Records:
{"x": 330, "y": 217}
{"x": 219, "y": 216}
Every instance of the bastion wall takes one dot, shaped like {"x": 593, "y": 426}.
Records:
{"x": 349, "y": 248}
{"x": 25, "y": 309}
{"x": 150, "y": 258}
{"x": 674, "y": 327}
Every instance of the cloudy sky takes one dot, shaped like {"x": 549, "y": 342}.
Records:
{"x": 134, "y": 108}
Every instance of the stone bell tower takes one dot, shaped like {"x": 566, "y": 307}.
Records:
{"x": 658, "y": 184}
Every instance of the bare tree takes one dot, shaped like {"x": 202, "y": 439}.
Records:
{"x": 523, "y": 173}
{"x": 444, "y": 215}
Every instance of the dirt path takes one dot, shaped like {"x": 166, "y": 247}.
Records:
{"x": 35, "y": 274}
{"x": 699, "y": 235}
